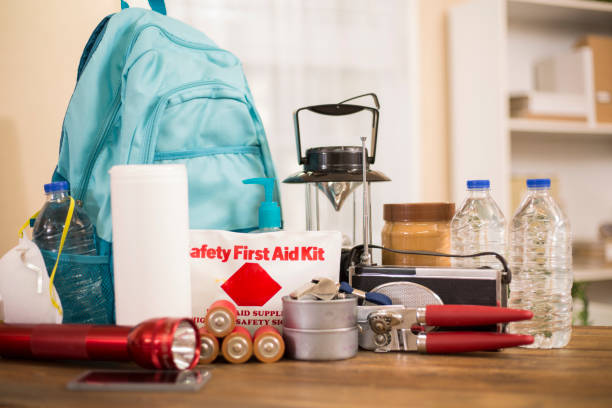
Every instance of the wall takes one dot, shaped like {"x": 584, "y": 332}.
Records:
{"x": 40, "y": 43}
{"x": 434, "y": 113}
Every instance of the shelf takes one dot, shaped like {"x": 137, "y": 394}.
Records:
{"x": 592, "y": 273}
{"x": 567, "y": 12}
{"x": 549, "y": 127}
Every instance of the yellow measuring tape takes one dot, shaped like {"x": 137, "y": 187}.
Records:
{"x": 59, "y": 252}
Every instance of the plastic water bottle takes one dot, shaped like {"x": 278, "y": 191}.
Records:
{"x": 541, "y": 263}
{"x": 82, "y": 280}
{"x": 479, "y": 225}
{"x": 51, "y": 219}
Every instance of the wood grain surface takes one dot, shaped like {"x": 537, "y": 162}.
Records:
{"x": 577, "y": 376}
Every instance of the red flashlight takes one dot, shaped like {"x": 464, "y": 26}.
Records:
{"x": 163, "y": 344}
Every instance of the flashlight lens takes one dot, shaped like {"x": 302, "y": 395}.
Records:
{"x": 184, "y": 345}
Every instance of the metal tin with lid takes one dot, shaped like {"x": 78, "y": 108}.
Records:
{"x": 417, "y": 227}
{"x": 320, "y": 329}
{"x": 319, "y": 314}
{"x": 333, "y": 344}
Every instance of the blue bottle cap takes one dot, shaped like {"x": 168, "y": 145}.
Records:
{"x": 538, "y": 183}
{"x": 478, "y": 184}
{"x": 57, "y": 186}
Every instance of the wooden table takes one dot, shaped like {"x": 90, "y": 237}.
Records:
{"x": 578, "y": 376}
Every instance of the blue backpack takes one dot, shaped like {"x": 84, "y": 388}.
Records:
{"x": 151, "y": 89}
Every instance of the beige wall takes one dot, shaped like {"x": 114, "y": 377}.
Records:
{"x": 435, "y": 138}
{"x": 40, "y": 45}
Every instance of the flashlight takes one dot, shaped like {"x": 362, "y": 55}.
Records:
{"x": 163, "y": 344}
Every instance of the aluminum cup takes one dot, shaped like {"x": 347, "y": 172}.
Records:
{"x": 319, "y": 314}
{"x": 334, "y": 344}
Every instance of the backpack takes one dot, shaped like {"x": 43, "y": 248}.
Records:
{"x": 149, "y": 90}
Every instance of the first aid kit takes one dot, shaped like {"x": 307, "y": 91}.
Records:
{"x": 255, "y": 271}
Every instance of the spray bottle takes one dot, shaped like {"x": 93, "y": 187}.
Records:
{"x": 269, "y": 211}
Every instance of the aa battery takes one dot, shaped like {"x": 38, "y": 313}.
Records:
{"x": 209, "y": 349}
{"x": 237, "y": 347}
{"x": 220, "y": 318}
{"x": 268, "y": 345}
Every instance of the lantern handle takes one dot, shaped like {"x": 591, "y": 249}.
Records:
{"x": 372, "y": 94}
{"x": 339, "y": 109}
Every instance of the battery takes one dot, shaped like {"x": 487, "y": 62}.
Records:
{"x": 209, "y": 349}
{"x": 268, "y": 345}
{"x": 237, "y": 347}
{"x": 220, "y": 318}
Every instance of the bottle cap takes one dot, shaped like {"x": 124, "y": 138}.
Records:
{"x": 57, "y": 186}
{"x": 478, "y": 184}
{"x": 538, "y": 183}
{"x": 418, "y": 212}
{"x": 269, "y": 211}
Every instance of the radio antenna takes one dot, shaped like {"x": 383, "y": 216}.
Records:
{"x": 366, "y": 258}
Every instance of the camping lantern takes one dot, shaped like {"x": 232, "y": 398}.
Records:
{"x": 332, "y": 174}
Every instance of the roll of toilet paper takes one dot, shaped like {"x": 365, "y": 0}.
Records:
{"x": 150, "y": 214}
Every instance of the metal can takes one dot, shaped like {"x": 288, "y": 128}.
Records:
{"x": 333, "y": 344}
{"x": 319, "y": 314}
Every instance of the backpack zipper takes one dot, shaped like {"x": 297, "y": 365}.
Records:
{"x": 207, "y": 151}
{"x": 99, "y": 142}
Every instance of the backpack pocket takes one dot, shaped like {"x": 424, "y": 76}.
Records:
{"x": 209, "y": 127}
{"x": 84, "y": 284}
{"x": 217, "y": 197}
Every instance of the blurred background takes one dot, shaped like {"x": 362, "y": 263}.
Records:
{"x": 497, "y": 89}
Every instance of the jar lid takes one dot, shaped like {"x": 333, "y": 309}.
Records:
{"x": 418, "y": 212}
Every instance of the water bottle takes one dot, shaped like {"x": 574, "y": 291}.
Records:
{"x": 541, "y": 263}
{"x": 81, "y": 280}
{"x": 479, "y": 225}
{"x": 50, "y": 222}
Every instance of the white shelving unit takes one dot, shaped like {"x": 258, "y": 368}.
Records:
{"x": 592, "y": 273}
{"x": 549, "y": 127}
{"x": 493, "y": 45}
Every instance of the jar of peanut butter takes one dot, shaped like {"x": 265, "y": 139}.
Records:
{"x": 417, "y": 227}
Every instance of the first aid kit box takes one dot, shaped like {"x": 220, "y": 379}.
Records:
{"x": 254, "y": 271}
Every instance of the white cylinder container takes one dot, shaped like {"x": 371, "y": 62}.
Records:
{"x": 150, "y": 214}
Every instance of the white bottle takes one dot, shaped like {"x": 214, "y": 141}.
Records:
{"x": 541, "y": 263}
{"x": 479, "y": 225}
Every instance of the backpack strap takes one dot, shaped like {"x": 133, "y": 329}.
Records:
{"x": 156, "y": 5}
{"x": 92, "y": 44}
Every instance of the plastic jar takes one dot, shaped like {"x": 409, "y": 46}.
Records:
{"x": 417, "y": 227}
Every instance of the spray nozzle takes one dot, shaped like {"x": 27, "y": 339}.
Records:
{"x": 269, "y": 211}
